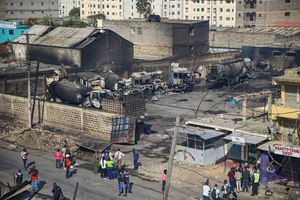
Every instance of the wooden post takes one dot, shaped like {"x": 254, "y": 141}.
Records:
{"x": 171, "y": 158}
{"x": 75, "y": 191}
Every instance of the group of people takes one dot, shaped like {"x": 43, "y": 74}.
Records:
{"x": 63, "y": 158}
{"x": 109, "y": 165}
{"x": 239, "y": 180}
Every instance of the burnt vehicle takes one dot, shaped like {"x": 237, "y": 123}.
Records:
{"x": 180, "y": 78}
{"x": 146, "y": 83}
{"x": 228, "y": 73}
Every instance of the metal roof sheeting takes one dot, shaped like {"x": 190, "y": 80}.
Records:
{"x": 204, "y": 134}
{"x": 37, "y": 31}
{"x": 65, "y": 37}
{"x": 287, "y": 31}
{"x": 249, "y": 139}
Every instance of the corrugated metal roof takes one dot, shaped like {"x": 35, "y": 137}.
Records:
{"x": 204, "y": 134}
{"x": 36, "y": 31}
{"x": 288, "y": 31}
{"x": 65, "y": 36}
{"x": 249, "y": 139}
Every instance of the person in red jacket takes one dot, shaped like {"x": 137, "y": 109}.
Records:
{"x": 34, "y": 179}
{"x": 68, "y": 164}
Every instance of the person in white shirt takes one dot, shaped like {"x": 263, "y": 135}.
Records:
{"x": 215, "y": 193}
{"x": 206, "y": 190}
{"x": 118, "y": 156}
{"x": 103, "y": 167}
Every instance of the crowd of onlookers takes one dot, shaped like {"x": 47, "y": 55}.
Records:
{"x": 240, "y": 179}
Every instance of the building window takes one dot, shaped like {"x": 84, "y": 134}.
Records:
{"x": 178, "y": 13}
{"x": 107, "y": 13}
{"x": 259, "y": 15}
{"x": 11, "y": 12}
{"x": 227, "y": 10}
{"x": 82, "y": 12}
{"x": 202, "y": 9}
{"x": 240, "y": 2}
{"x": 214, "y": 10}
{"x": 113, "y": 6}
{"x": 3, "y": 31}
{"x": 11, "y": 4}
{"x": 94, "y": 5}
{"x": 227, "y": 18}
{"x": 177, "y": 6}
{"x": 98, "y": 5}
{"x": 221, "y": 9}
{"x": 42, "y": 12}
{"x": 11, "y": 32}
{"x": 120, "y": 6}
{"x": 21, "y": 4}
{"x": 32, "y": 3}
{"x": 42, "y": 3}
{"x": 208, "y": 10}
{"x": 202, "y": 17}
{"x": 287, "y": 1}
{"x": 186, "y": 17}
{"x": 287, "y": 13}
{"x": 240, "y": 15}
{"x": 220, "y": 18}
{"x": 165, "y": 6}
{"x": 202, "y": 1}
{"x": 82, "y": 6}
{"x": 107, "y": 6}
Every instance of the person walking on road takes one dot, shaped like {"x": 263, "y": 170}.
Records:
{"x": 163, "y": 177}
{"x": 24, "y": 155}
{"x": 19, "y": 177}
{"x": 58, "y": 157}
{"x": 255, "y": 185}
{"x": 206, "y": 190}
{"x": 135, "y": 159}
{"x": 238, "y": 180}
{"x": 34, "y": 179}
{"x": 119, "y": 156}
{"x": 57, "y": 193}
{"x": 68, "y": 164}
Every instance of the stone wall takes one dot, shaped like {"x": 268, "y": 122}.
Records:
{"x": 60, "y": 116}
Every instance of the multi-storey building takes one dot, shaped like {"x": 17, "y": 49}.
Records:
{"x": 24, "y": 9}
{"x": 267, "y": 12}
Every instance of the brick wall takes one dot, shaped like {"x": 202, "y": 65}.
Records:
{"x": 65, "y": 117}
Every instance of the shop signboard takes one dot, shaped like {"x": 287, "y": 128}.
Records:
{"x": 287, "y": 151}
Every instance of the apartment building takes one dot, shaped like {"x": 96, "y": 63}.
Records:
{"x": 267, "y": 13}
{"x": 24, "y": 9}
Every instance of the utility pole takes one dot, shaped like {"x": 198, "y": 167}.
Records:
{"x": 171, "y": 158}
{"x": 28, "y": 81}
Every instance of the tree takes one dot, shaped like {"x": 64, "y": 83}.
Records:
{"x": 31, "y": 21}
{"x": 94, "y": 18}
{"x": 74, "y": 13}
{"x": 143, "y": 7}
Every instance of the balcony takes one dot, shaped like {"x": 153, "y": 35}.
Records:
{"x": 289, "y": 110}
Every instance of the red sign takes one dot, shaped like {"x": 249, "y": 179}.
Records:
{"x": 287, "y": 151}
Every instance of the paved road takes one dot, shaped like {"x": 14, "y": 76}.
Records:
{"x": 90, "y": 186}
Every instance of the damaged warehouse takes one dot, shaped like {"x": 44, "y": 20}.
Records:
{"x": 81, "y": 47}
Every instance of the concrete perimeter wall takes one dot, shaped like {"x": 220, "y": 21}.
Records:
{"x": 65, "y": 117}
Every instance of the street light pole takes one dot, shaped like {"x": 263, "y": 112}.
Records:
{"x": 171, "y": 158}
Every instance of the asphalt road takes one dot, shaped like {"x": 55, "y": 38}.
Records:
{"x": 90, "y": 185}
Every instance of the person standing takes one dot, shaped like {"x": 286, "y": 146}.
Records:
{"x": 215, "y": 193}
{"x": 163, "y": 177}
{"x": 109, "y": 169}
{"x": 19, "y": 177}
{"x": 231, "y": 179}
{"x": 135, "y": 159}
{"x": 245, "y": 179}
{"x": 58, "y": 157}
{"x": 57, "y": 193}
{"x": 24, "y": 155}
{"x": 63, "y": 155}
{"x": 206, "y": 190}
{"x": 255, "y": 186}
{"x": 34, "y": 179}
{"x": 226, "y": 190}
{"x": 119, "y": 156}
{"x": 120, "y": 183}
{"x": 127, "y": 187}
{"x": 103, "y": 167}
{"x": 238, "y": 180}
{"x": 68, "y": 164}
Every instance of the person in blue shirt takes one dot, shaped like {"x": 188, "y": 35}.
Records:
{"x": 135, "y": 159}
